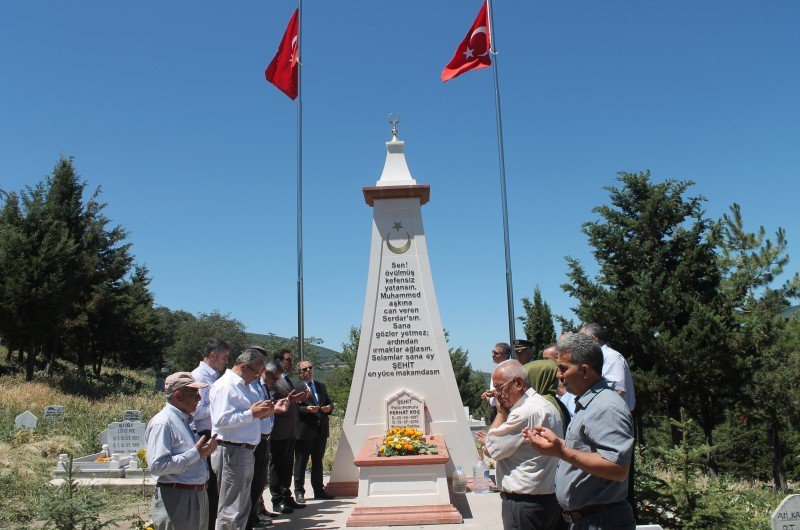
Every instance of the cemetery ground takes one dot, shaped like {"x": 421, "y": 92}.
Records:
{"x": 28, "y": 457}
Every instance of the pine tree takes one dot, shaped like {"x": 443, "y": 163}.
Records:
{"x": 657, "y": 294}
{"x": 769, "y": 345}
{"x": 538, "y": 322}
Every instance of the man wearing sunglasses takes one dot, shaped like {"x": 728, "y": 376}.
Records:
{"x": 236, "y": 413}
{"x": 500, "y": 353}
{"x": 312, "y": 434}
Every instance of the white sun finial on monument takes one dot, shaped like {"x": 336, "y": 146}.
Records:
{"x": 395, "y": 170}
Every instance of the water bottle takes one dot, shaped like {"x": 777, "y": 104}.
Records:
{"x": 459, "y": 481}
{"x": 480, "y": 477}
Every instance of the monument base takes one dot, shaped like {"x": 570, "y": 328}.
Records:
{"x": 342, "y": 489}
{"x": 398, "y": 489}
{"x": 403, "y": 515}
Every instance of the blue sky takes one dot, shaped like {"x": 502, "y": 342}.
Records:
{"x": 165, "y": 106}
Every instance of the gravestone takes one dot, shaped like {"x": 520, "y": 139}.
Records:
{"x": 54, "y": 412}
{"x": 405, "y": 409}
{"x": 26, "y": 420}
{"x": 787, "y": 515}
{"x": 132, "y": 415}
{"x": 402, "y": 343}
{"x": 124, "y": 437}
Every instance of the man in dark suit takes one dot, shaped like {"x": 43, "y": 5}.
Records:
{"x": 312, "y": 434}
{"x": 282, "y": 437}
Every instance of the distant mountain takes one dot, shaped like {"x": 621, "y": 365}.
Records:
{"x": 790, "y": 312}
{"x": 327, "y": 356}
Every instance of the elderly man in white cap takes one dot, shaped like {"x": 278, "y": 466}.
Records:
{"x": 177, "y": 459}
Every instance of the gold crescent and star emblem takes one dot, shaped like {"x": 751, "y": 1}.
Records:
{"x": 399, "y": 250}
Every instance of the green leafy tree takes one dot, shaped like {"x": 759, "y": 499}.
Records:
{"x": 340, "y": 377}
{"x": 470, "y": 382}
{"x": 193, "y": 335}
{"x": 538, "y": 322}
{"x": 657, "y": 293}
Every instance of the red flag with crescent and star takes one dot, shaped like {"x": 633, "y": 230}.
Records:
{"x": 282, "y": 71}
{"x": 473, "y": 52}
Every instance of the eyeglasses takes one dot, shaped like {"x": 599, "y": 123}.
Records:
{"x": 288, "y": 360}
{"x": 499, "y": 389}
{"x": 306, "y": 369}
{"x": 495, "y": 353}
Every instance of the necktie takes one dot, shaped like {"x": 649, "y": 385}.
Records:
{"x": 313, "y": 391}
{"x": 289, "y": 382}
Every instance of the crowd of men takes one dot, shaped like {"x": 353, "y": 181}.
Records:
{"x": 222, "y": 435}
{"x": 562, "y": 434}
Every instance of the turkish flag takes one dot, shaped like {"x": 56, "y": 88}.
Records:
{"x": 473, "y": 52}
{"x": 282, "y": 71}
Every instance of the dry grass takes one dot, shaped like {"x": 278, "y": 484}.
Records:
{"x": 28, "y": 457}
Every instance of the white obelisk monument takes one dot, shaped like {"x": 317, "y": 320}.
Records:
{"x": 402, "y": 346}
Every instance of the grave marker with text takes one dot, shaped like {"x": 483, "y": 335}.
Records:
{"x": 54, "y": 412}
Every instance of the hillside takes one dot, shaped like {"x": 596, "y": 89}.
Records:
{"x": 327, "y": 356}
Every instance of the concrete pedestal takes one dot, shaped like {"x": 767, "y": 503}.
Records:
{"x": 394, "y": 491}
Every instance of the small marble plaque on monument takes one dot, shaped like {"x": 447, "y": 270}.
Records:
{"x": 54, "y": 412}
{"x": 124, "y": 437}
{"x": 787, "y": 516}
{"x": 26, "y": 420}
{"x": 405, "y": 409}
{"x": 132, "y": 415}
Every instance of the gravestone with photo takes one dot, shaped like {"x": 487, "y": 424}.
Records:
{"x": 26, "y": 420}
{"x": 787, "y": 515}
{"x": 54, "y": 412}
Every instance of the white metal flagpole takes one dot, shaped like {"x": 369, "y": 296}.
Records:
{"x": 501, "y": 156}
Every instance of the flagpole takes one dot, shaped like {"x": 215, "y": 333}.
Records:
{"x": 300, "y": 320}
{"x": 501, "y": 156}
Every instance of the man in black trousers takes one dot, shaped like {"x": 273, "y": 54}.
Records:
{"x": 312, "y": 434}
{"x": 282, "y": 437}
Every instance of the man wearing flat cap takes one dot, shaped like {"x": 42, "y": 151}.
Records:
{"x": 177, "y": 458}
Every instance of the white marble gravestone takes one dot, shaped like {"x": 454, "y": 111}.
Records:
{"x": 26, "y": 420}
{"x": 54, "y": 412}
{"x": 402, "y": 342}
{"x": 787, "y": 516}
{"x": 124, "y": 437}
{"x": 132, "y": 415}
{"x": 405, "y": 409}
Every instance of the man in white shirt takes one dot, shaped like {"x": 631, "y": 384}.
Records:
{"x": 615, "y": 368}
{"x": 500, "y": 353}
{"x": 236, "y": 413}
{"x": 177, "y": 460}
{"x": 526, "y": 478}
{"x": 207, "y": 372}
